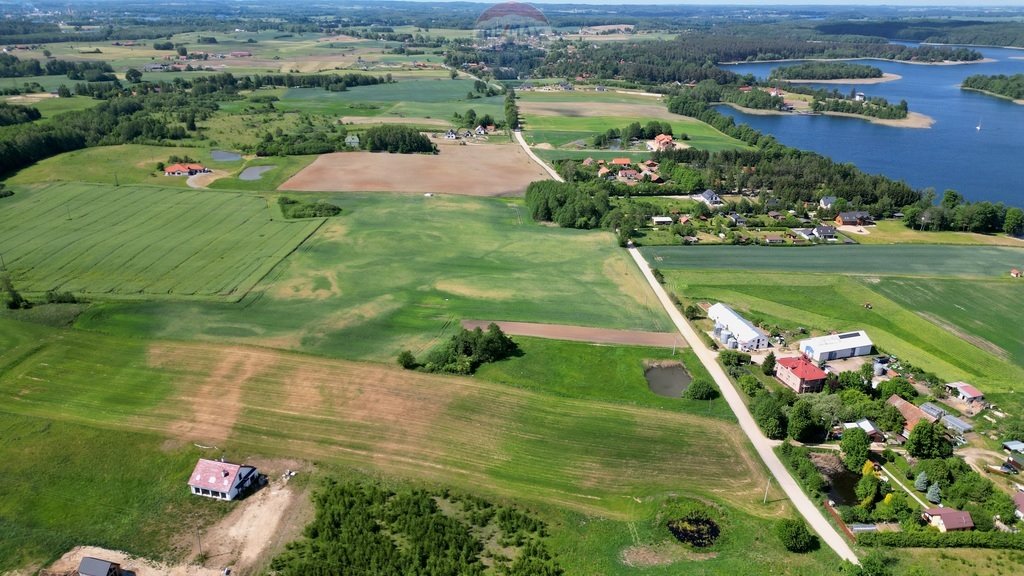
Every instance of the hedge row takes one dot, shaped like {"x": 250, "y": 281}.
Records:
{"x": 932, "y": 539}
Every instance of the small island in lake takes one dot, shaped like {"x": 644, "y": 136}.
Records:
{"x": 815, "y": 71}
{"x": 1001, "y": 85}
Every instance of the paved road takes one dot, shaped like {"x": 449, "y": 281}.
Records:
{"x": 763, "y": 445}
{"x": 543, "y": 164}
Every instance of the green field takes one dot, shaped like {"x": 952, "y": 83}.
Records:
{"x": 398, "y": 271}
{"x": 562, "y": 129}
{"x": 105, "y": 241}
{"x": 895, "y": 232}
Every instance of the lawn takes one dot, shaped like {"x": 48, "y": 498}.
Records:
{"x": 894, "y": 232}
{"x": 537, "y": 127}
{"x": 102, "y": 241}
{"x": 399, "y": 271}
{"x": 88, "y": 399}
{"x": 286, "y": 167}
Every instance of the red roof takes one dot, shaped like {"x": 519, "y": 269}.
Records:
{"x": 1018, "y": 499}
{"x": 214, "y": 475}
{"x": 952, "y": 519}
{"x": 968, "y": 390}
{"x": 802, "y": 368}
{"x": 184, "y": 168}
{"x": 912, "y": 414}
{"x": 621, "y": 161}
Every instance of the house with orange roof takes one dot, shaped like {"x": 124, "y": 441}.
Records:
{"x": 621, "y": 161}
{"x": 185, "y": 169}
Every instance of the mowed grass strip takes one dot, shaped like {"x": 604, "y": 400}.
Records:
{"x": 135, "y": 240}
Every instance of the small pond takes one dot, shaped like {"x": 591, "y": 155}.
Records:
{"x": 669, "y": 380}
{"x": 254, "y": 172}
{"x": 222, "y": 156}
{"x": 842, "y": 486}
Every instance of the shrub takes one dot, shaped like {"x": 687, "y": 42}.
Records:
{"x": 700, "y": 389}
{"x": 750, "y": 385}
{"x": 734, "y": 358}
{"x": 795, "y": 536}
{"x": 294, "y": 209}
{"x": 406, "y": 359}
{"x": 933, "y": 539}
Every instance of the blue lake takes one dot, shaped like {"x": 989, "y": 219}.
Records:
{"x": 982, "y": 164}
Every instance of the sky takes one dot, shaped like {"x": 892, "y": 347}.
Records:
{"x": 959, "y": 3}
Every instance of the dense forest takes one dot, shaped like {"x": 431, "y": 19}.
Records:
{"x": 949, "y": 31}
{"x": 955, "y": 213}
{"x": 825, "y": 71}
{"x": 13, "y": 67}
{"x": 13, "y": 114}
{"x": 397, "y": 138}
{"x": 361, "y": 528}
{"x": 1003, "y": 85}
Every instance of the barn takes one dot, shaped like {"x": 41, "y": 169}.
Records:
{"x": 734, "y": 330}
{"x": 837, "y": 346}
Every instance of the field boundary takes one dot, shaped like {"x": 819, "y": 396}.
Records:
{"x": 583, "y": 333}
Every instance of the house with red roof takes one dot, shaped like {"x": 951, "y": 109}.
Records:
{"x": 948, "y": 519}
{"x": 661, "y": 143}
{"x": 1014, "y": 273}
{"x": 800, "y": 374}
{"x": 965, "y": 392}
{"x": 911, "y": 414}
{"x": 221, "y": 480}
{"x": 185, "y": 169}
{"x": 621, "y": 161}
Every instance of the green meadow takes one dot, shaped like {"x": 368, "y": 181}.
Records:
{"x": 141, "y": 241}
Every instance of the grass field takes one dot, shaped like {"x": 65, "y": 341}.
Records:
{"x": 894, "y": 232}
{"x": 286, "y": 167}
{"x": 421, "y": 98}
{"x": 558, "y": 130}
{"x": 105, "y": 241}
{"x": 68, "y": 395}
{"x": 400, "y": 271}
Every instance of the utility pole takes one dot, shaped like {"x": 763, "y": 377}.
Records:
{"x": 766, "y": 490}
{"x": 199, "y": 541}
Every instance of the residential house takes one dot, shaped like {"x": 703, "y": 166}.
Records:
{"x": 480, "y": 130}
{"x": 734, "y": 330}
{"x": 221, "y": 480}
{"x": 650, "y": 165}
{"x": 622, "y": 161}
{"x": 451, "y": 135}
{"x": 869, "y": 428}
{"x": 661, "y": 143}
{"x": 1015, "y": 273}
{"x": 775, "y": 215}
{"x": 774, "y": 239}
{"x": 603, "y": 172}
{"x": 965, "y": 392}
{"x": 824, "y": 233}
{"x": 857, "y": 218}
{"x": 800, "y": 374}
{"x": 805, "y": 233}
{"x": 948, "y": 519}
{"x": 911, "y": 414}
{"x": 652, "y": 177}
{"x": 737, "y": 220}
{"x": 837, "y": 346}
{"x": 90, "y": 566}
{"x": 859, "y": 97}
{"x": 827, "y": 202}
{"x": 588, "y": 161}
{"x": 710, "y": 198}
{"x": 352, "y": 141}
{"x": 185, "y": 169}
{"x": 629, "y": 175}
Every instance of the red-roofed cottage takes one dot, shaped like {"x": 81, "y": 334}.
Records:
{"x": 965, "y": 392}
{"x": 221, "y": 480}
{"x": 948, "y": 520}
{"x": 621, "y": 161}
{"x": 800, "y": 374}
{"x": 185, "y": 169}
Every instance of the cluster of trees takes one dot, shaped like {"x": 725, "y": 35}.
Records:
{"x": 1001, "y": 84}
{"x": 634, "y": 131}
{"x": 362, "y": 528}
{"x": 569, "y": 205}
{"x": 873, "y": 107}
{"x": 471, "y": 120}
{"x": 955, "y": 213}
{"x": 93, "y": 71}
{"x": 397, "y": 138}
{"x": 464, "y": 352}
{"x": 825, "y": 71}
{"x": 292, "y": 208}
{"x": 711, "y": 92}
{"x": 308, "y": 139}
{"x": 13, "y": 114}
{"x": 9, "y": 295}
{"x": 511, "y": 109}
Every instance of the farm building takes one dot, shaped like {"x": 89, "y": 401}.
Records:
{"x": 800, "y": 374}
{"x": 661, "y": 220}
{"x": 948, "y": 520}
{"x": 911, "y": 414}
{"x": 858, "y": 218}
{"x": 221, "y": 480}
{"x": 965, "y": 392}
{"x": 1015, "y": 273}
{"x": 1018, "y": 500}
{"x": 710, "y": 198}
{"x": 869, "y": 428}
{"x": 352, "y": 141}
{"x": 837, "y": 346}
{"x": 185, "y": 169}
{"x": 932, "y": 410}
{"x": 1014, "y": 446}
{"x": 90, "y": 566}
{"x": 957, "y": 425}
{"x": 734, "y": 330}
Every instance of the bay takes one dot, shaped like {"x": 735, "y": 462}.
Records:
{"x": 983, "y": 164}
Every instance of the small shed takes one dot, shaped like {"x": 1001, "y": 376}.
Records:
{"x": 1014, "y": 446}
{"x": 661, "y": 220}
{"x": 956, "y": 424}
{"x": 90, "y": 566}
{"x": 965, "y": 392}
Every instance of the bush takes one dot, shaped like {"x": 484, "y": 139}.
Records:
{"x": 734, "y": 358}
{"x": 795, "y": 536}
{"x": 750, "y": 385}
{"x": 406, "y": 360}
{"x": 700, "y": 389}
{"x": 693, "y": 312}
{"x": 294, "y": 209}
{"x": 933, "y": 539}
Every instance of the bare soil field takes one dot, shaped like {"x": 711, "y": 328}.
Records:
{"x": 415, "y": 121}
{"x": 583, "y": 333}
{"x": 591, "y": 109}
{"x": 471, "y": 170}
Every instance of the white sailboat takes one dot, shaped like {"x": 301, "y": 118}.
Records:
{"x": 978, "y": 127}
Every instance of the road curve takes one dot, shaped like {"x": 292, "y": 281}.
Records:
{"x": 529, "y": 152}
{"x": 763, "y": 445}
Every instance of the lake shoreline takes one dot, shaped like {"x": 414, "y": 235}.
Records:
{"x": 886, "y": 77}
{"x": 913, "y": 120}
{"x": 1019, "y": 101}
{"x": 943, "y": 63}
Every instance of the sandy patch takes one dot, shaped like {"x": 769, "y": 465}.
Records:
{"x": 215, "y": 399}
{"x": 204, "y": 180}
{"x": 583, "y": 333}
{"x": 544, "y": 146}
{"x": 886, "y": 77}
{"x": 471, "y": 170}
{"x": 140, "y": 566}
{"x": 848, "y": 229}
{"x": 417, "y": 121}
{"x": 30, "y": 98}
{"x": 339, "y": 38}
{"x": 469, "y": 291}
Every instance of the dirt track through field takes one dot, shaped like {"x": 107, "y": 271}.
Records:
{"x": 471, "y": 170}
{"x": 583, "y": 333}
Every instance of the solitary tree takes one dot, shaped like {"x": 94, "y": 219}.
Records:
{"x": 934, "y": 494}
{"x": 700, "y": 389}
{"x": 406, "y": 360}
{"x": 921, "y": 483}
{"x": 794, "y": 535}
{"x": 132, "y": 75}
{"x": 768, "y": 366}
{"x": 855, "y": 447}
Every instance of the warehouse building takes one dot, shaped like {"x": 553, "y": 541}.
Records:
{"x": 837, "y": 346}
{"x": 734, "y": 330}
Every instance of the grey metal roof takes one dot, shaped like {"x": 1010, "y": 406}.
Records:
{"x": 932, "y": 410}
{"x": 953, "y": 422}
{"x": 94, "y": 567}
{"x": 1014, "y": 446}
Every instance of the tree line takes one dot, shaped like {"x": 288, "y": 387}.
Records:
{"x": 1001, "y": 84}
{"x": 954, "y": 212}
{"x": 13, "y": 67}
{"x": 952, "y": 31}
{"x": 13, "y": 114}
{"x": 825, "y": 71}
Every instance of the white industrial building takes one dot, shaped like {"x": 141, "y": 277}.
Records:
{"x": 837, "y": 346}
{"x": 734, "y": 330}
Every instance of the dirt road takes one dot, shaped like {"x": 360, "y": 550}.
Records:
{"x": 583, "y": 333}
{"x": 543, "y": 164}
{"x": 763, "y": 445}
